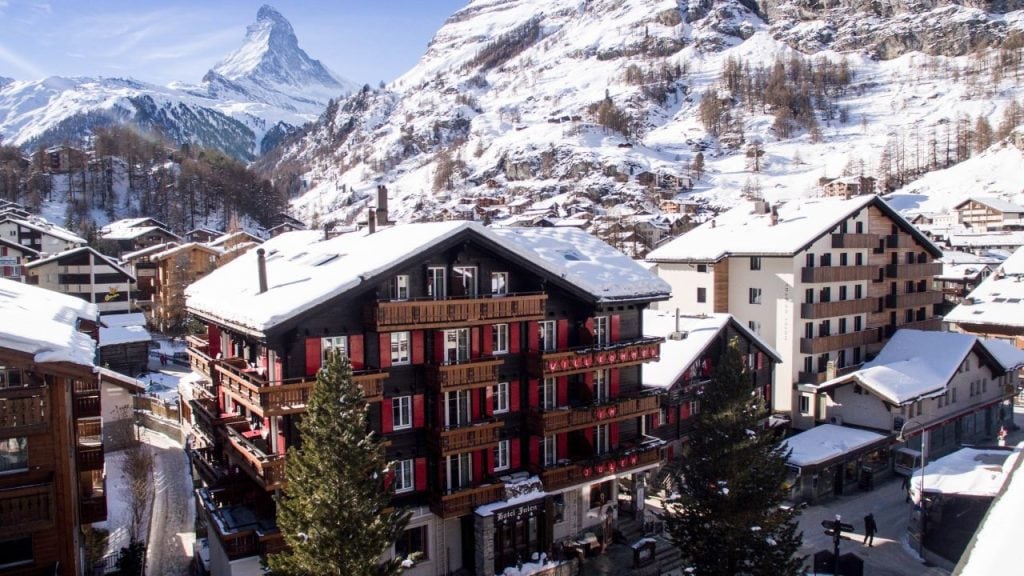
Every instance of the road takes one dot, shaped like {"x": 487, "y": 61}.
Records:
{"x": 171, "y": 531}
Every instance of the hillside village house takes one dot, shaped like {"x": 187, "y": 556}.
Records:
{"x": 983, "y": 214}
{"x": 176, "y": 268}
{"x": 825, "y": 282}
{"x": 961, "y": 273}
{"x": 847, "y": 186}
{"x": 134, "y": 234}
{"x": 141, "y": 265}
{"x": 985, "y": 242}
{"x": 13, "y": 257}
{"x": 87, "y": 274}
{"x": 39, "y": 235}
{"x": 503, "y": 367}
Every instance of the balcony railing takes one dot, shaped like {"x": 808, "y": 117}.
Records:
{"x": 816, "y": 274}
{"x": 837, "y": 308}
{"x": 820, "y": 377}
{"x": 200, "y": 362}
{"x": 265, "y": 469}
{"x": 470, "y": 437}
{"x": 913, "y": 299}
{"x": 568, "y": 419}
{"x": 468, "y": 374}
{"x": 93, "y": 509}
{"x": 90, "y": 457}
{"x": 26, "y": 509}
{"x": 577, "y": 361}
{"x": 855, "y": 240}
{"x": 931, "y": 324}
{"x": 256, "y": 536}
{"x": 624, "y": 459}
{"x": 923, "y": 270}
{"x": 90, "y": 432}
{"x": 823, "y": 344}
{"x": 899, "y": 241}
{"x": 24, "y": 410}
{"x": 425, "y": 314}
{"x": 463, "y": 502}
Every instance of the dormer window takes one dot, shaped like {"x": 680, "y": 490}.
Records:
{"x": 499, "y": 283}
{"x": 400, "y": 287}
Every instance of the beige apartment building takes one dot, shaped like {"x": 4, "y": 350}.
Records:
{"x": 824, "y": 281}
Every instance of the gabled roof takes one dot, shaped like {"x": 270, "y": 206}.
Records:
{"x": 44, "y": 323}
{"x": 65, "y": 254}
{"x": 135, "y": 232}
{"x": 826, "y": 442}
{"x": 305, "y": 270}
{"x": 19, "y": 247}
{"x": 741, "y": 232}
{"x": 240, "y": 235}
{"x": 998, "y": 300}
{"x": 994, "y": 203}
{"x": 128, "y": 223}
{"x": 45, "y": 227}
{"x": 147, "y": 251}
{"x": 171, "y": 251}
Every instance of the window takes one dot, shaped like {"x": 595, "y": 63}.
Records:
{"x": 548, "y": 454}
{"x": 547, "y": 335}
{"x": 809, "y": 296}
{"x": 600, "y": 494}
{"x": 842, "y": 325}
{"x": 13, "y": 454}
{"x": 401, "y": 412}
{"x": 399, "y": 347}
{"x": 456, "y": 345}
{"x": 332, "y": 344}
{"x": 601, "y": 391}
{"x": 437, "y": 286}
{"x": 859, "y": 227}
{"x": 15, "y": 552}
{"x": 826, "y": 259}
{"x": 602, "y": 440}
{"x": 501, "y": 456}
{"x": 754, "y": 326}
{"x": 805, "y": 405}
{"x": 501, "y": 398}
{"x": 601, "y": 331}
{"x": 547, "y": 394}
{"x": 842, "y": 258}
{"x": 412, "y": 541}
{"x": 702, "y": 267}
{"x": 858, "y": 259}
{"x": 858, "y": 291}
{"x": 400, "y": 287}
{"x": 755, "y": 262}
{"x": 459, "y": 469}
{"x": 11, "y": 377}
{"x": 702, "y": 295}
{"x": 499, "y": 283}
{"x": 465, "y": 280}
{"x": 457, "y": 408}
{"x": 826, "y": 294}
{"x": 404, "y": 476}
{"x": 858, "y": 323}
{"x": 842, "y": 293}
{"x": 755, "y": 295}
{"x": 499, "y": 339}
{"x": 694, "y": 407}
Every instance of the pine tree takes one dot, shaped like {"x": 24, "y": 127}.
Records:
{"x": 333, "y": 512}
{"x": 726, "y": 517}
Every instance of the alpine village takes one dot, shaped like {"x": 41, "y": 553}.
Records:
{"x": 597, "y": 287}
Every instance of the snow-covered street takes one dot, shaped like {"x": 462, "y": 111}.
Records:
{"x": 171, "y": 532}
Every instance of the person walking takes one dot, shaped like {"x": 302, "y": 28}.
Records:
{"x": 869, "y": 529}
{"x": 906, "y": 487}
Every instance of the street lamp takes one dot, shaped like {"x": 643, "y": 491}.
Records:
{"x": 924, "y": 449}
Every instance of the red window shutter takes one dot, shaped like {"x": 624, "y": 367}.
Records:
{"x": 417, "y": 346}
{"x": 439, "y": 347}
{"x": 533, "y": 453}
{"x": 532, "y": 392}
{"x": 474, "y": 404}
{"x": 760, "y": 360}
{"x": 587, "y": 334}
{"x": 613, "y": 435}
{"x": 513, "y": 396}
{"x": 278, "y": 368}
{"x": 562, "y": 443}
{"x": 385, "y": 350}
{"x": 490, "y": 462}
{"x": 613, "y": 382}
{"x": 684, "y": 410}
{"x": 616, "y": 321}
{"x": 562, "y": 333}
{"x": 488, "y": 401}
{"x": 419, "y": 474}
{"x": 389, "y": 480}
{"x": 588, "y": 381}
{"x": 264, "y": 361}
{"x": 282, "y": 446}
{"x": 312, "y": 356}
{"x": 655, "y": 420}
{"x": 478, "y": 466}
{"x": 386, "y": 417}
{"x": 357, "y": 352}
{"x": 532, "y": 336}
{"x": 474, "y": 342}
{"x": 7, "y": 271}
{"x": 417, "y": 411}
{"x": 671, "y": 452}
{"x": 514, "y": 457}
{"x": 562, "y": 391}
{"x": 513, "y": 337}
{"x": 671, "y": 416}
{"x": 488, "y": 340}
{"x": 588, "y": 433}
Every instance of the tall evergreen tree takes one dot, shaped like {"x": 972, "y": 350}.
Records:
{"x": 333, "y": 512}
{"x": 726, "y": 517}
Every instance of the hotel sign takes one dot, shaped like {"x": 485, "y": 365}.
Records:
{"x": 514, "y": 514}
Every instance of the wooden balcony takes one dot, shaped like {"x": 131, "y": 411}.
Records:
{"x": 820, "y": 377}
{"x": 86, "y": 387}
{"x": 622, "y": 460}
{"x": 819, "y": 274}
{"x": 463, "y": 502}
{"x": 908, "y": 271}
{"x": 200, "y": 362}
{"x": 913, "y": 299}
{"x": 468, "y": 438}
{"x": 822, "y": 344}
{"x": 468, "y": 374}
{"x": 256, "y": 536}
{"x": 266, "y": 469}
{"x": 855, "y": 240}
{"x": 899, "y": 241}
{"x": 577, "y": 361}
{"x": 93, "y": 509}
{"x": 455, "y": 312}
{"x": 24, "y": 411}
{"x": 568, "y": 419}
{"x": 86, "y": 395}
{"x": 26, "y": 509}
{"x": 89, "y": 432}
{"x": 837, "y": 308}
{"x": 90, "y": 457}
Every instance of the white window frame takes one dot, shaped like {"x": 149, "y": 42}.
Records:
{"x": 548, "y": 451}
{"x": 463, "y": 413}
{"x": 501, "y": 398}
{"x": 548, "y": 394}
{"x": 602, "y": 387}
{"x": 499, "y": 283}
{"x": 755, "y": 262}
{"x": 601, "y": 331}
{"x": 602, "y": 439}
{"x": 401, "y": 413}
{"x": 401, "y": 288}
{"x": 548, "y": 335}
{"x": 437, "y": 282}
{"x": 459, "y": 467}
{"x": 400, "y": 348}
{"x": 405, "y": 479}
{"x": 755, "y": 296}
{"x": 463, "y": 348}
{"x": 461, "y": 273}
{"x": 329, "y": 343}
{"x": 499, "y": 339}
{"x": 501, "y": 456}
{"x": 805, "y": 404}
{"x": 17, "y": 446}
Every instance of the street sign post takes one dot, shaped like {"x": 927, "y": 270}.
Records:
{"x": 835, "y": 529}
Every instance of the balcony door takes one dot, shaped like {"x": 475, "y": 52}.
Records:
{"x": 601, "y": 331}
{"x": 465, "y": 281}
{"x": 601, "y": 388}
{"x": 459, "y": 469}
{"x": 437, "y": 284}
{"x": 456, "y": 345}
{"x": 457, "y": 408}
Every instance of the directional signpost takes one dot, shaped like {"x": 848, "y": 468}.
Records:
{"x": 835, "y": 529}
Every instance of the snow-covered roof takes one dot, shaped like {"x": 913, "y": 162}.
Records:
{"x": 999, "y": 531}
{"x": 741, "y": 231}
{"x": 231, "y": 236}
{"x": 968, "y": 472}
{"x": 994, "y": 203}
{"x": 998, "y": 300}
{"x": 177, "y": 248}
{"x": 127, "y": 319}
{"x": 115, "y": 335}
{"x": 22, "y": 249}
{"x": 45, "y": 227}
{"x": 148, "y": 250}
{"x": 986, "y": 239}
{"x": 122, "y": 380}
{"x": 44, "y": 323}
{"x": 61, "y": 255}
{"x": 827, "y": 441}
{"x": 123, "y": 224}
{"x": 962, "y": 272}
{"x": 304, "y": 269}
{"x": 677, "y": 355}
{"x": 129, "y": 233}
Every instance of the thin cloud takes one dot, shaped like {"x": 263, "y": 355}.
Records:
{"x": 198, "y": 47}
{"x": 15, "y": 61}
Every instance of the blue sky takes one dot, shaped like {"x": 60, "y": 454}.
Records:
{"x": 363, "y": 40}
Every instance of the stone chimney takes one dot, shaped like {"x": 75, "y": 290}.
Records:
{"x": 328, "y": 226}
{"x": 775, "y": 216}
{"x": 382, "y": 205}
{"x": 371, "y": 221}
{"x": 261, "y": 265}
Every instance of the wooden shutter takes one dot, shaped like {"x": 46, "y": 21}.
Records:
{"x": 616, "y": 322}
{"x": 587, "y": 333}
{"x": 357, "y": 352}
{"x": 386, "y": 417}
{"x": 562, "y": 391}
{"x": 613, "y": 435}
{"x": 513, "y": 337}
{"x": 439, "y": 347}
{"x": 417, "y": 346}
{"x": 489, "y": 453}
{"x": 213, "y": 334}
{"x": 417, "y": 411}
{"x": 474, "y": 342}
{"x": 514, "y": 457}
{"x": 588, "y": 433}
{"x": 513, "y": 396}
{"x": 489, "y": 401}
{"x": 562, "y": 443}
{"x": 613, "y": 382}
{"x": 532, "y": 391}
{"x": 533, "y": 453}
{"x": 562, "y": 333}
{"x": 419, "y": 474}
{"x": 588, "y": 381}
{"x": 684, "y": 410}
{"x": 532, "y": 336}
{"x": 488, "y": 340}
{"x": 478, "y": 465}
{"x": 474, "y": 404}
{"x": 385, "y": 349}
{"x": 312, "y": 356}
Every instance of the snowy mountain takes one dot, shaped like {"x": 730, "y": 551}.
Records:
{"x": 250, "y": 100}
{"x": 623, "y": 101}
